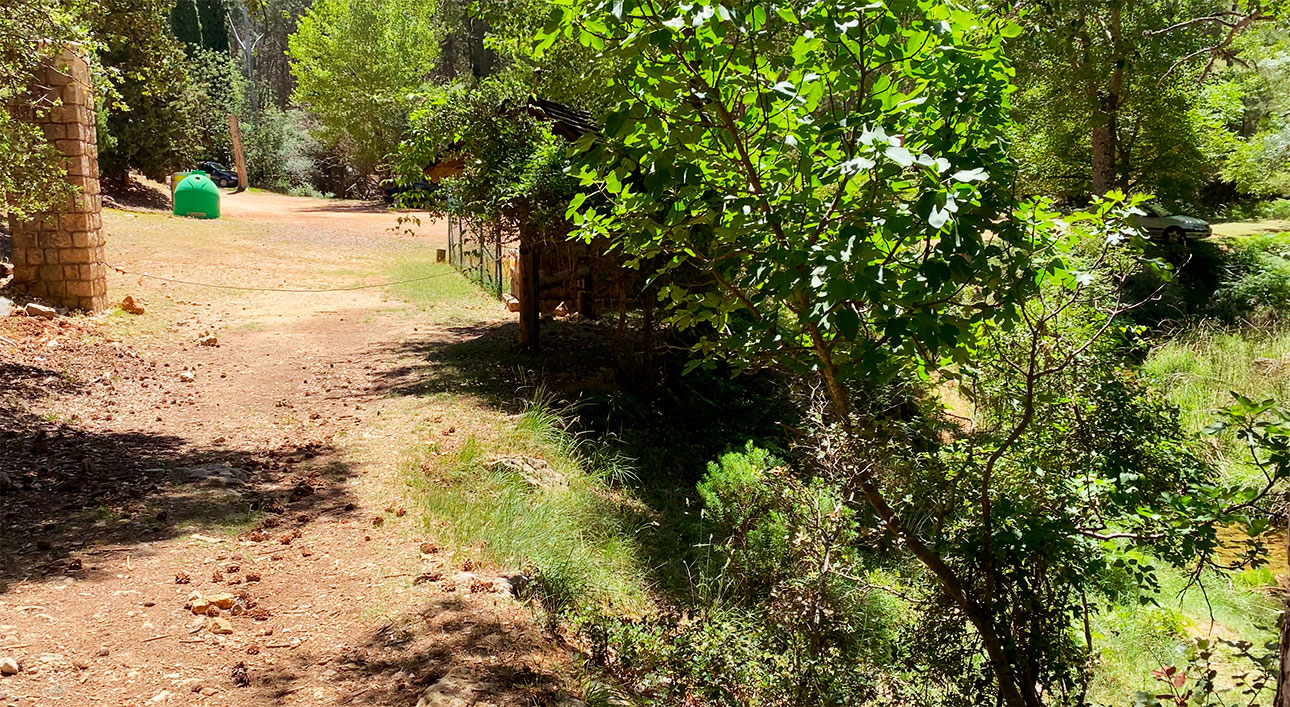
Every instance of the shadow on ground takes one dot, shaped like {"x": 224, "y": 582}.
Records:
{"x": 668, "y": 423}
{"x": 498, "y": 653}
{"x": 135, "y": 195}
{"x": 577, "y": 359}
{"x": 67, "y": 494}
{"x": 350, "y": 207}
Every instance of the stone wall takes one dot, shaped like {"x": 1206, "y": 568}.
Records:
{"x": 58, "y": 255}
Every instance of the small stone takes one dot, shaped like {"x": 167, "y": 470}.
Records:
{"x": 223, "y": 601}
{"x": 103, "y": 652}
{"x": 129, "y": 306}
{"x": 220, "y": 626}
{"x": 6, "y": 307}
{"x": 39, "y": 310}
{"x": 160, "y": 697}
{"x": 450, "y": 692}
{"x": 187, "y": 376}
{"x": 9, "y": 666}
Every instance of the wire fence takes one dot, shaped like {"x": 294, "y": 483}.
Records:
{"x": 481, "y": 252}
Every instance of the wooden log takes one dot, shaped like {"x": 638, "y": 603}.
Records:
{"x": 564, "y": 276}
{"x": 239, "y": 159}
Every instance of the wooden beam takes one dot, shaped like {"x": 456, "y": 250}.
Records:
{"x": 565, "y": 275}
{"x": 235, "y": 132}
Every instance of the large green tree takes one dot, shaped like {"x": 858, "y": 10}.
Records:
{"x": 1108, "y": 89}
{"x": 839, "y": 174}
{"x": 31, "y": 175}
{"x": 356, "y": 62}
{"x": 145, "y": 123}
{"x": 201, "y": 23}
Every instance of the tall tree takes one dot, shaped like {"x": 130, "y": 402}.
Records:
{"x": 145, "y": 123}
{"x": 355, "y": 63}
{"x": 1110, "y": 69}
{"x": 201, "y": 23}
{"x": 274, "y": 21}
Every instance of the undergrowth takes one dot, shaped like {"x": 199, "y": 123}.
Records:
{"x": 571, "y": 530}
{"x": 1198, "y": 371}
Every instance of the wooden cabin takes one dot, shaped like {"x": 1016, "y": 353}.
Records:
{"x": 547, "y": 273}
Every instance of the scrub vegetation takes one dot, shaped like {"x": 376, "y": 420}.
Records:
{"x": 914, "y": 411}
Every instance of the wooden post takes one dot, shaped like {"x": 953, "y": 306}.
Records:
{"x": 498, "y": 263}
{"x": 587, "y": 293}
{"x": 235, "y": 132}
{"x": 530, "y": 288}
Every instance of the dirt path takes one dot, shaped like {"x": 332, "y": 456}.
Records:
{"x": 241, "y": 443}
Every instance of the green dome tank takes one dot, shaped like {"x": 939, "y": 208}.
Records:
{"x": 197, "y": 196}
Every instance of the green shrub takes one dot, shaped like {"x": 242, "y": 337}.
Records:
{"x": 742, "y": 501}
{"x": 726, "y": 658}
{"x": 1256, "y": 284}
{"x": 281, "y": 154}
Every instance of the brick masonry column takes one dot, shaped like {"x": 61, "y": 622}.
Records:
{"x": 58, "y": 254}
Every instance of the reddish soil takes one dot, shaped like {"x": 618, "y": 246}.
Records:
{"x": 140, "y": 465}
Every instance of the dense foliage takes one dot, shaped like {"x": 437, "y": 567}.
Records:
{"x": 144, "y": 119}
{"x": 1160, "y": 97}
{"x": 355, "y": 63}
{"x": 30, "y": 173}
{"x": 840, "y": 175}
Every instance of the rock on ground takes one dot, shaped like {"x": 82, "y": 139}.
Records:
{"x": 39, "y": 310}
{"x": 451, "y": 692}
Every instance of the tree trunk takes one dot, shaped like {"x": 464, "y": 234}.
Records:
{"x": 1105, "y": 138}
{"x": 1013, "y": 690}
{"x": 1104, "y": 155}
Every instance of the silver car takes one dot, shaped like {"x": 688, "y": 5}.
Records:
{"x": 1159, "y": 223}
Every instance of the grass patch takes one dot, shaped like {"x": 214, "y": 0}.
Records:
{"x": 569, "y": 528}
{"x": 438, "y": 286}
{"x": 1134, "y": 640}
{"x": 1198, "y": 371}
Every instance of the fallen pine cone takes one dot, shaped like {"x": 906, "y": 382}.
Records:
{"x": 182, "y": 578}
{"x": 241, "y": 677}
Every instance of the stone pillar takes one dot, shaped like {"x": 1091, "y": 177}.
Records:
{"x": 58, "y": 254}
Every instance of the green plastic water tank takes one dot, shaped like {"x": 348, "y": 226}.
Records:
{"x": 197, "y": 197}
